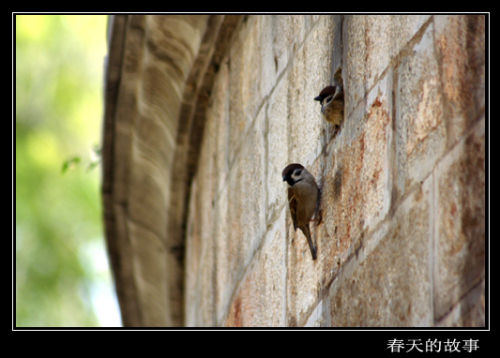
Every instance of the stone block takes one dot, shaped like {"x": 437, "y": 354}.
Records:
{"x": 420, "y": 126}
{"x": 404, "y": 28}
{"x": 318, "y": 49}
{"x": 376, "y": 174}
{"x": 357, "y": 185}
{"x": 354, "y": 65}
{"x": 252, "y": 76}
{"x": 281, "y": 51}
{"x": 268, "y": 71}
{"x": 370, "y": 44}
{"x": 460, "y": 227}
{"x": 305, "y": 121}
{"x": 288, "y": 33}
{"x": 309, "y": 71}
{"x": 390, "y": 284}
{"x": 277, "y": 144}
{"x": 260, "y": 300}
{"x": 318, "y": 64}
{"x": 379, "y": 47}
{"x": 244, "y": 79}
{"x": 460, "y": 47}
{"x": 469, "y": 311}
{"x": 246, "y": 203}
{"x": 250, "y": 171}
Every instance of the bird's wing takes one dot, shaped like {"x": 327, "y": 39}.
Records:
{"x": 293, "y": 207}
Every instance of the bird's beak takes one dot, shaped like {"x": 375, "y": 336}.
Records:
{"x": 284, "y": 179}
{"x": 318, "y": 98}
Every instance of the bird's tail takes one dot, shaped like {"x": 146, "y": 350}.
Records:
{"x": 307, "y": 233}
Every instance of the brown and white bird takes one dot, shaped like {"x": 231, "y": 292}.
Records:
{"x": 331, "y": 99}
{"x": 303, "y": 197}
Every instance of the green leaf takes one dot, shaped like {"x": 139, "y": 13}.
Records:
{"x": 70, "y": 163}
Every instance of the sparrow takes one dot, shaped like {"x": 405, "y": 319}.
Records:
{"x": 331, "y": 99}
{"x": 303, "y": 195}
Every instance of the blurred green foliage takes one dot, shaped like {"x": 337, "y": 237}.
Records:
{"x": 59, "y": 109}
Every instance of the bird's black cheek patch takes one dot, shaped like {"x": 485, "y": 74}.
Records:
{"x": 290, "y": 181}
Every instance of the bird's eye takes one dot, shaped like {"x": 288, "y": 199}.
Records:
{"x": 298, "y": 172}
{"x": 328, "y": 99}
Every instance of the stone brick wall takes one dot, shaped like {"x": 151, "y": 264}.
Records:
{"x": 402, "y": 242}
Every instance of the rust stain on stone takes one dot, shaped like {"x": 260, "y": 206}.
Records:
{"x": 375, "y": 177}
{"x": 377, "y": 102}
{"x": 453, "y": 210}
{"x": 235, "y": 319}
{"x": 461, "y": 51}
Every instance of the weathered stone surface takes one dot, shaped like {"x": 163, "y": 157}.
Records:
{"x": 317, "y": 319}
{"x": 377, "y": 137}
{"x": 391, "y": 286}
{"x": 288, "y": 33}
{"x": 304, "y": 117}
{"x": 260, "y": 300}
{"x": 309, "y": 73}
{"x": 247, "y": 64}
{"x": 460, "y": 47}
{"x": 277, "y": 141}
{"x": 245, "y": 206}
{"x": 420, "y": 125}
{"x": 460, "y": 206}
{"x": 370, "y": 44}
{"x": 469, "y": 311}
{"x": 354, "y": 54}
{"x": 318, "y": 74}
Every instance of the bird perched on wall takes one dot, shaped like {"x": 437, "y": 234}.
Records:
{"x": 331, "y": 99}
{"x": 303, "y": 199}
